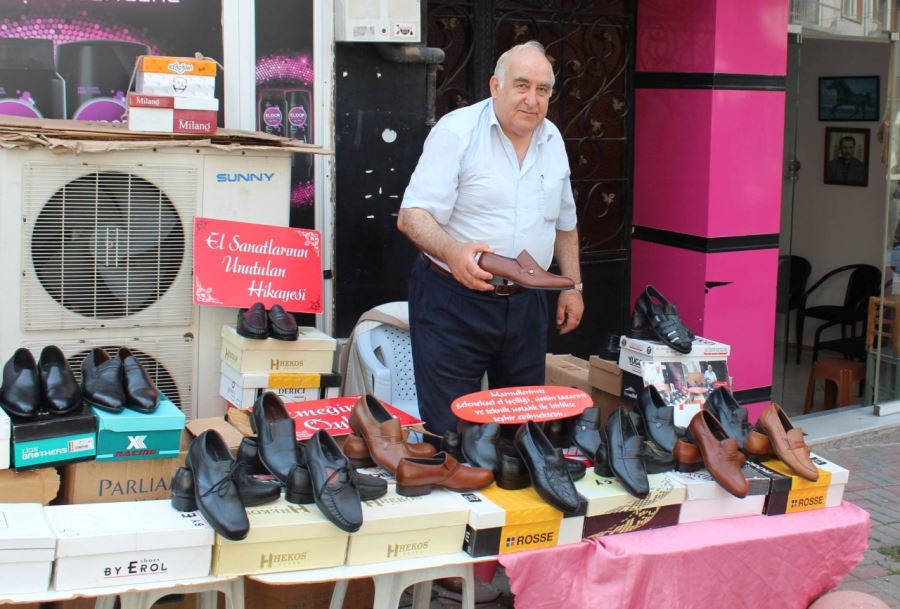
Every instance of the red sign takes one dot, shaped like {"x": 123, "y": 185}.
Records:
{"x": 332, "y": 415}
{"x": 237, "y": 264}
{"x": 521, "y": 404}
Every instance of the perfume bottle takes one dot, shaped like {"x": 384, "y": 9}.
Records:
{"x": 29, "y": 84}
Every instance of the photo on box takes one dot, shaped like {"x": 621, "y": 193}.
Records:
{"x": 685, "y": 382}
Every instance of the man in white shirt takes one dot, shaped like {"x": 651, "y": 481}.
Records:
{"x": 493, "y": 177}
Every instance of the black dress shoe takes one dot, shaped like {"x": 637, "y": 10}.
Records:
{"x": 215, "y": 491}
{"x": 140, "y": 392}
{"x": 586, "y": 431}
{"x": 253, "y": 491}
{"x": 576, "y": 469}
{"x": 659, "y": 419}
{"x": 183, "y": 498}
{"x": 547, "y": 468}
{"x": 20, "y": 395}
{"x": 299, "y": 487}
{"x": 333, "y": 485}
{"x": 656, "y": 460}
{"x": 730, "y": 414}
{"x": 655, "y": 318}
{"x": 601, "y": 456}
{"x": 276, "y": 436}
{"x": 282, "y": 325}
{"x": 248, "y": 452}
{"x": 451, "y": 443}
{"x": 253, "y": 322}
{"x": 479, "y": 445}
{"x": 60, "y": 391}
{"x": 625, "y": 446}
{"x": 557, "y": 433}
{"x": 101, "y": 381}
{"x": 511, "y": 473}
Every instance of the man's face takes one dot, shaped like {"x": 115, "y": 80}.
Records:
{"x": 521, "y": 103}
{"x": 847, "y": 147}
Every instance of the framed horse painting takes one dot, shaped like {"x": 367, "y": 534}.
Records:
{"x": 848, "y": 98}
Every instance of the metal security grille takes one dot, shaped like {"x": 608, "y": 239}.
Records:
{"x": 107, "y": 246}
{"x": 168, "y": 361}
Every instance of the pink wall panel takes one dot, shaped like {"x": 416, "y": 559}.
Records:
{"x": 745, "y": 176}
{"x": 672, "y": 159}
{"x": 676, "y": 36}
{"x": 751, "y": 37}
{"x": 679, "y": 274}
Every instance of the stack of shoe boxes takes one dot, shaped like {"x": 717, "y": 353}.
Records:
{"x": 790, "y": 493}
{"x": 50, "y": 441}
{"x": 707, "y": 500}
{"x": 174, "y": 95}
{"x": 298, "y": 370}
{"x": 4, "y": 440}
{"x": 611, "y": 509}
{"x": 27, "y": 548}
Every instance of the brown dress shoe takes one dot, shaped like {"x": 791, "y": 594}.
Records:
{"x": 381, "y": 432}
{"x": 418, "y": 476}
{"x": 787, "y": 442}
{"x": 720, "y": 453}
{"x": 524, "y": 271}
{"x": 757, "y": 446}
{"x": 355, "y": 449}
{"x": 687, "y": 456}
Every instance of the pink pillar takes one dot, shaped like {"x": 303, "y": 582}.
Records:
{"x": 709, "y": 120}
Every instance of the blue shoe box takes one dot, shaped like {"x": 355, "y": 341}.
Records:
{"x": 130, "y": 435}
{"x": 47, "y": 441}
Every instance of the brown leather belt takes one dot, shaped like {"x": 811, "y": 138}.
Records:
{"x": 504, "y": 289}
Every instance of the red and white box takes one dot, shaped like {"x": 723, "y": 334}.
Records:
{"x": 172, "y": 114}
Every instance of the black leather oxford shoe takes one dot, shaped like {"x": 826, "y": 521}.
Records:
{"x": 253, "y": 491}
{"x": 511, "y": 473}
{"x": 547, "y": 468}
{"x": 101, "y": 381}
{"x": 656, "y": 460}
{"x": 276, "y": 437}
{"x": 334, "y": 487}
{"x": 215, "y": 491}
{"x": 60, "y": 392}
{"x": 479, "y": 445}
{"x": 299, "y": 487}
{"x": 586, "y": 431}
{"x": 625, "y": 446}
{"x": 20, "y": 394}
{"x": 659, "y": 419}
{"x": 282, "y": 325}
{"x": 248, "y": 452}
{"x": 140, "y": 392}
{"x": 253, "y": 322}
{"x": 601, "y": 456}
{"x": 730, "y": 414}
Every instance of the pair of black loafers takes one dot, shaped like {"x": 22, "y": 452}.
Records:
{"x": 258, "y": 323}
{"x": 31, "y": 389}
{"x": 118, "y": 382}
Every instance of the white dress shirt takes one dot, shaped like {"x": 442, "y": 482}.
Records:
{"x": 470, "y": 180}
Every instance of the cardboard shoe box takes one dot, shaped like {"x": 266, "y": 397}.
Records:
{"x": 313, "y": 351}
{"x": 283, "y": 537}
{"x": 605, "y": 378}
{"x": 790, "y": 493}
{"x": 116, "y": 544}
{"x": 243, "y": 389}
{"x": 611, "y": 509}
{"x": 115, "y": 481}
{"x": 129, "y": 435}
{"x": 567, "y": 371}
{"x": 706, "y": 500}
{"x": 32, "y": 486}
{"x": 54, "y": 440}
{"x": 397, "y": 527}
{"x": 5, "y": 431}
{"x": 503, "y": 522}
{"x": 27, "y": 548}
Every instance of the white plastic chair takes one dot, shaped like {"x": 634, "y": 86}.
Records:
{"x": 386, "y": 355}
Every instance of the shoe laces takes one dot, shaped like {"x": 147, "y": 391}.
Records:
{"x": 336, "y": 471}
{"x": 221, "y": 487}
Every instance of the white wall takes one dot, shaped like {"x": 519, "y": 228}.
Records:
{"x": 834, "y": 225}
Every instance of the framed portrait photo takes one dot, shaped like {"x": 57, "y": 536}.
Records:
{"x": 846, "y": 156}
{"x": 848, "y": 98}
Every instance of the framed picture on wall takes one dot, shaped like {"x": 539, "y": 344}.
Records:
{"x": 847, "y": 156}
{"x": 848, "y": 98}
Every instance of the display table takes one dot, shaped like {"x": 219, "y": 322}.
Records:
{"x": 757, "y": 561}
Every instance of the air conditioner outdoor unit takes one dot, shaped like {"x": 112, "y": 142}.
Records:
{"x": 96, "y": 251}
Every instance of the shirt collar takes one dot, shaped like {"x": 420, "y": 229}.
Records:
{"x": 541, "y": 134}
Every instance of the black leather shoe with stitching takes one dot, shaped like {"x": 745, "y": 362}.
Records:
{"x": 20, "y": 395}
{"x": 547, "y": 468}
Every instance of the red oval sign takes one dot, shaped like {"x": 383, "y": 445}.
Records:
{"x": 512, "y": 405}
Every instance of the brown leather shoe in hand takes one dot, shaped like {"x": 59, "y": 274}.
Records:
{"x": 355, "y": 449}
{"x": 524, "y": 271}
{"x": 381, "y": 432}
{"x": 787, "y": 442}
{"x": 720, "y": 453}
{"x": 418, "y": 476}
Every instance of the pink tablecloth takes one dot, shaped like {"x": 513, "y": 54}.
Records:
{"x": 756, "y": 562}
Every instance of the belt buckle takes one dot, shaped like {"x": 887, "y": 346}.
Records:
{"x": 504, "y": 289}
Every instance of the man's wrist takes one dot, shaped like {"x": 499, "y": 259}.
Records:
{"x": 578, "y": 287}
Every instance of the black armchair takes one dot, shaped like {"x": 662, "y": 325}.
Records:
{"x": 864, "y": 281}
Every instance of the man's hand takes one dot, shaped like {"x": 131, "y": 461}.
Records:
{"x": 461, "y": 260}
{"x": 569, "y": 309}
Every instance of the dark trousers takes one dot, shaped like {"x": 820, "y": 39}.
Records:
{"x": 458, "y": 334}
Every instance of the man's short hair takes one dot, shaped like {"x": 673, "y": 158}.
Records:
{"x": 847, "y": 138}
{"x": 500, "y": 68}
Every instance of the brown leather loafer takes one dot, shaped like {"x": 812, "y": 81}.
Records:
{"x": 720, "y": 453}
{"x": 687, "y": 456}
{"x": 523, "y": 271}
{"x": 787, "y": 442}
{"x": 355, "y": 449}
{"x": 418, "y": 476}
{"x": 380, "y": 431}
{"x": 757, "y": 446}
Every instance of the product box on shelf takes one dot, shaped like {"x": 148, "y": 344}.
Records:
{"x": 5, "y": 431}
{"x": 172, "y": 114}
{"x": 27, "y": 548}
{"x": 313, "y": 351}
{"x": 283, "y": 537}
{"x": 33, "y": 486}
{"x": 701, "y": 348}
{"x": 115, "y": 481}
{"x": 182, "y": 76}
{"x": 397, "y": 527}
{"x": 113, "y": 544}
{"x": 243, "y": 389}
{"x": 502, "y": 522}
{"x": 54, "y": 440}
{"x": 130, "y": 435}
{"x": 611, "y": 509}
{"x": 790, "y": 493}
{"x": 706, "y": 500}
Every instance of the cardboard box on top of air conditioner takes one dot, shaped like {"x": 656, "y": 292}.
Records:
{"x": 130, "y": 435}
{"x": 181, "y": 76}
{"x": 790, "y": 493}
{"x": 32, "y": 486}
{"x": 117, "y": 481}
{"x": 283, "y": 537}
{"x": 172, "y": 113}
{"x": 506, "y": 521}
{"x": 611, "y": 509}
{"x": 243, "y": 389}
{"x": 27, "y": 548}
{"x": 230, "y": 434}
{"x": 113, "y": 544}
{"x": 313, "y": 351}
{"x": 706, "y": 500}
{"x": 5, "y": 431}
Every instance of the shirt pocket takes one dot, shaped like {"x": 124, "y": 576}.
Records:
{"x": 552, "y": 192}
